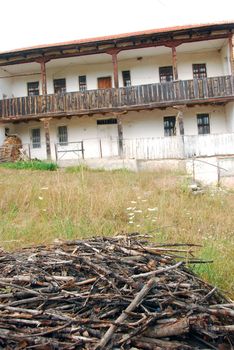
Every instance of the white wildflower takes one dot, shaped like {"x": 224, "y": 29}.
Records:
{"x": 144, "y": 200}
{"x": 138, "y": 211}
{"x": 133, "y": 202}
{"x": 44, "y": 188}
{"x": 153, "y": 209}
{"x": 138, "y": 225}
{"x": 129, "y": 208}
{"x": 41, "y": 198}
{"x": 130, "y": 222}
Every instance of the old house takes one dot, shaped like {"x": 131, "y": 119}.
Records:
{"x": 159, "y": 94}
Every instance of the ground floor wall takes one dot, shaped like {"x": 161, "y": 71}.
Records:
{"x": 143, "y": 134}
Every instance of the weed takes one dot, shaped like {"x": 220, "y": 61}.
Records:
{"x": 31, "y": 165}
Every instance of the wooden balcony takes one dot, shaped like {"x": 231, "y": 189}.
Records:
{"x": 182, "y": 92}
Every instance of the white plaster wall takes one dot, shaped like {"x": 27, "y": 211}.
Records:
{"x": 230, "y": 116}
{"x": 143, "y": 71}
{"x": 217, "y": 116}
{"x": 2, "y": 134}
{"x": 5, "y": 85}
{"x": 145, "y": 124}
{"x": 212, "y": 59}
{"x": 150, "y": 123}
{"x": 225, "y": 57}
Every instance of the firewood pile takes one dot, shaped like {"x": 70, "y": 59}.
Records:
{"x": 10, "y": 150}
{"x": 110, "y": 293}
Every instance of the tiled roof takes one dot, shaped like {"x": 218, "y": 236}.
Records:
{"x": 124, "y": 36}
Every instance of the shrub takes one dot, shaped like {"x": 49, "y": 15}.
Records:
{"x": 31, "y": 165}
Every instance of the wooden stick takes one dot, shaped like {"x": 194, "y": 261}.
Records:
{"x": 135, "y": 303}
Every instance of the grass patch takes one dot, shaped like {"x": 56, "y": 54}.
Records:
{"x": 30, "y": 165}
{"x": 82, "y": 168}
{"x": 36, "y": 209}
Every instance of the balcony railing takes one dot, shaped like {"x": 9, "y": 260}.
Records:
{"x": 129, "y": 98}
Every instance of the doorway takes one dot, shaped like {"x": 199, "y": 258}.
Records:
{"x": 104, "y": 83}
{"x": 108, "y": 135}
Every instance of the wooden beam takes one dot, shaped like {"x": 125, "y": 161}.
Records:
{"x": 46, "y": 123}
{"x": 120, "y": 136}
{"x": 115, "y": 68}
{"x": 231, "y": 52}
{"x": 42, "y": 61}
{"x": 161, "y": 42}
{"x": 174, "y": 63}
{"x": 114, "y": 53}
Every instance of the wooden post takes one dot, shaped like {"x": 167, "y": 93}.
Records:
{"x": 174, "y": 62}
{"x": 120, "y": 136}
{"x": 180, "y": 120}
{"x": 231, "y": 52}
{"x": 114, "y": 53}
{"x": 46, "y": 122}
{"x": 42, "y": 61}
{"x": 115, "y": 67}
{"x": 43, "y": 78}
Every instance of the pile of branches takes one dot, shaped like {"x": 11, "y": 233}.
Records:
{"x": 110, "y": 293}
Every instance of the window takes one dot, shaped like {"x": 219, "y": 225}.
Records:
{"x": 33, "y": 88}
{"x": 126, "y": 78}
{"x": 62, "y": 135}
{"x": 203, "y": 124}
{"x": 165, "y": 74}
{"x": 169, "y": 126}
{"x": 199, "y": 70}
{"x": 59, "y": 86}
{"x": 36, "y": 138}
{"x": 82, "y": 83}
{"x": 107, "y": 121}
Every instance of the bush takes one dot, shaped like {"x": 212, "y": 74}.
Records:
{"x": 31, "y": 165}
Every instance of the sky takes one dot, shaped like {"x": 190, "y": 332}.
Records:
{"x": 29, "y": 22}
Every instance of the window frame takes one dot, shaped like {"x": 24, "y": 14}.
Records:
{"x": 60, "y": 89}
{"x": 169, "y": 130}
{"x": 36, "y": 144}
{"x": 126, "y": 76}
{"x": 204, "y": 127}
{"x": 60, "y": 136}
{"x": 107, "y": 121}
{"x": 163, "y": 75}
{"x": 197, "y": 70}
{"x": 82, "y": 84}
{"x": 33, "y": 89}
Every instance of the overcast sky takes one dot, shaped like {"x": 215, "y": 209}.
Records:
{"x": 29, "y": 22}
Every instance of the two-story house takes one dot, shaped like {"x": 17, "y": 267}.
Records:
{"x": 158, "y": 94}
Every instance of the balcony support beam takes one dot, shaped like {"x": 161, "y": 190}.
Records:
{"x": 46, "y": 123}
{"x": 174, "y": 62}
{"x": 42, "y": 61}
{"x": 114, "y": 53}
{"x": 231, "y": 52}
{"x": 120, "y": 136}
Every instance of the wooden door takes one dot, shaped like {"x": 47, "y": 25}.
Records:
{"x": 107, "y": 131}
{"x": 104, "y": 83}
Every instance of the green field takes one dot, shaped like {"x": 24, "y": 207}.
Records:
{"x": 40, "y": 206}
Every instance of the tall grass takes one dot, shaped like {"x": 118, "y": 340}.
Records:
{"x": 38, "y": 207}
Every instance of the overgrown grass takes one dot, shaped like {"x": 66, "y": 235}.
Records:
{"x": 32, "y": 165}
{"x": 38, "y": 207}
